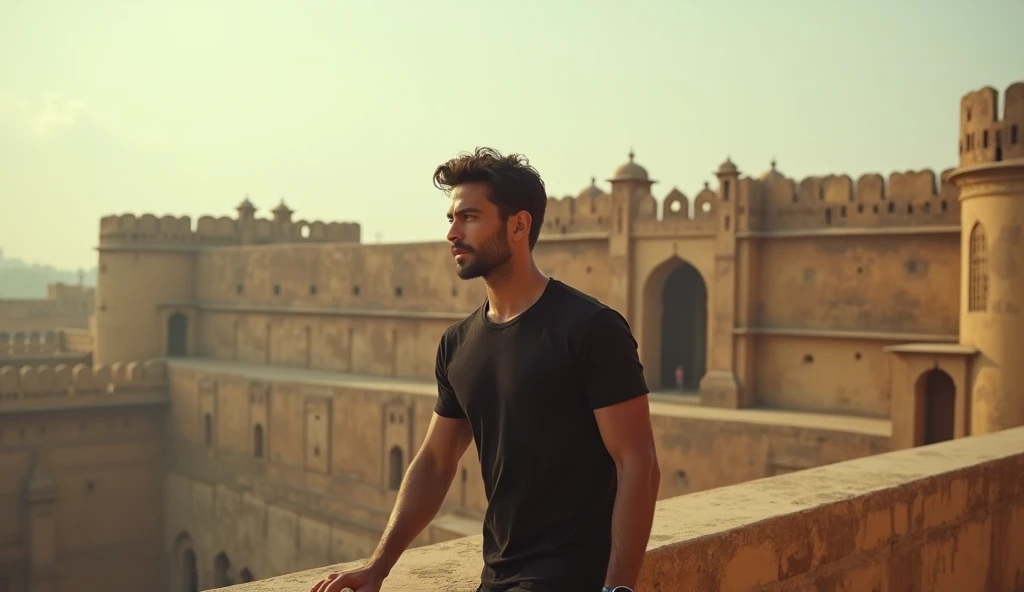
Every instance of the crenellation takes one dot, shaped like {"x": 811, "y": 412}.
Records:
{"x": 32, "y": 382}
{"x": 213, "y": 231}
{"x": 31, "y": 343}
{"x": 907, "y": 199}
{"x": 675, "y": 205}
{"x": 985, "y": 136}
{"x": 587, "y": 212}
{"x": 676, "y": 215}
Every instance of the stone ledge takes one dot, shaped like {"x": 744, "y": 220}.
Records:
{"x": 933, "y": 517}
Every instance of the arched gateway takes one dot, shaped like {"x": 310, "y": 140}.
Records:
{"x": 676, "y": 325}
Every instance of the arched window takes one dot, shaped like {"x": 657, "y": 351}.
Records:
{"x": 257, "y": 441}
{"x": 977, "y": 286}
{"x": 208, "y": 429}
{"x": 396, "y": 469}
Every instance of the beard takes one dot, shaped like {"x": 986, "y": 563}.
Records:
{"x": 490, "y": 256}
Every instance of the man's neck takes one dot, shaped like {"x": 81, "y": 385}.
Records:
{"x": 513, "y": 290}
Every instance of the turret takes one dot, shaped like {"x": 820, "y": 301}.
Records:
{"x": 991, "y": 183}
{"x": 630, "y": 185}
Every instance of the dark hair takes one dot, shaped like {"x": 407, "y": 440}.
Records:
{"x": 515, "y": 184}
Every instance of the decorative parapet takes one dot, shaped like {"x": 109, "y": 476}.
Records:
{"x": 80, "y": 380}
{"x": 909, "y": 199}
{"x": 127, "y": 230}
{"x": 22, "y": 343}
{"x": 677, "y": 216}
{"x": 34, "y": 343}
{"x": 984, "y": 135}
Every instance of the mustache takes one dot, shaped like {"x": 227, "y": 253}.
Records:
{"x": 462, "y": 247}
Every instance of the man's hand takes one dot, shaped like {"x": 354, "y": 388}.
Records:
{"x": 364, "y": 579}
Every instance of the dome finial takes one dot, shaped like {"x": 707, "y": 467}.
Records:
{"x": 593, "y": 181}
{"x": 631, "y": 154}
{"x": 773, "y": 163}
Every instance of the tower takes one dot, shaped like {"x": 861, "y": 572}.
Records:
{"x": 720, "y": 387}
{"x": 630, "y": 184}
{"x": 145, "y": 288}
{"x": 991, "y": 183}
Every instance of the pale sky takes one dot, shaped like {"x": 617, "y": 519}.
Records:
{"x": 345, "y": 108}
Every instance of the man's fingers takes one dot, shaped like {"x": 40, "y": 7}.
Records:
{"x": 339, "y": 582}
{"x": 322, "y": 585}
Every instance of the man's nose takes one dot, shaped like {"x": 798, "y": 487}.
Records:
{"x": 454, "y": 233}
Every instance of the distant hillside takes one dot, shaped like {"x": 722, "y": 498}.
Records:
{"x": 23, "y": 280}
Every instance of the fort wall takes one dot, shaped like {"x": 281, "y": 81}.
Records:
{"x": 64, "y": 306}
{"x": 941, "y": 517}
{"x": 910, "y": 199}
{"x": 898, "y": 284}
{"x": 131, "y": 230}
{"x": 318, "y": 481}
{"x": 22, "y": 343}
{"x": 26, "y": 383}
{"x": 985, "y": 134}
{"x": 94, "y": 475}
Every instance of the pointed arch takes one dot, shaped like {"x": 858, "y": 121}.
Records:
{"x": 675, "y": 323}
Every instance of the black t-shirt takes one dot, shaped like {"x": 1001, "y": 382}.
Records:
{"x": 529, "y": 388}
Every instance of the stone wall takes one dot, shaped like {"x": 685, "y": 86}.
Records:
{"x": 945, "y": 517}
{"x": 281, "y": 469}
{"x": 104, "y": 462}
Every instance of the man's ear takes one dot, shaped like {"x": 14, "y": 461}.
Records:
{"x": 520, "y": 225}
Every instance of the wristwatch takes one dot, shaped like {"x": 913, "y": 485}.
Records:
{"x": 617, "y": 589}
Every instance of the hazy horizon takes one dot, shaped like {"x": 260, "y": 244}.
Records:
{"x": 344, "y": 109}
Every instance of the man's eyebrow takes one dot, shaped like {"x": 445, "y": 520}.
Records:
{"x": 465, "y": 210}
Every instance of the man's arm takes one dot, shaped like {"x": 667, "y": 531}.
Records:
{"x": 626, "y": 430}
{"x": 423, "y": 489}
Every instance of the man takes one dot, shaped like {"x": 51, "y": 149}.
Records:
{"x": 547, "y": 382}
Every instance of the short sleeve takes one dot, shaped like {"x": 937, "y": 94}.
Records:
{"x": 447, "y": 404}
{"x": 610, "y": 365}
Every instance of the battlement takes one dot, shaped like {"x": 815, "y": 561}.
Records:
{"x": 31, "y": 343}
{"x": 909, "y": 199}
{"x": 675, "y": 214}
{"x": 44, "y": 381}
{"x": 984, "y": 137}
{"x": 589, "y": 211}
{"x": 210, "y": 231}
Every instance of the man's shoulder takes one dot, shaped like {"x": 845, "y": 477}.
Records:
{"x": 456, "y": 331}
{"x": 576, "y": 306}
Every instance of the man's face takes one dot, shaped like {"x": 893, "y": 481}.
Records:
{"x": 477, "y": 234}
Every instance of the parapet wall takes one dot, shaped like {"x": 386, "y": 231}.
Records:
{"x": 35, "y": 382}
{"x": 984, "y": 136}
{"x": 148, "y": 229}
{"x": 28, "y": 343}
{"x": 939, "y": 517}
{"x": 590, "y": 211}
{"x": 774, "y": 202}
{"x": 908, "y": 199}
{"x": 31, "y": 342}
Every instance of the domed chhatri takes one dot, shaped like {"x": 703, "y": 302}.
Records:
{"x": 591, "y": 191}
{"x": 630, "y": 171}
{"x": 771, "y": 173}
{"x": 727, "y": 167}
